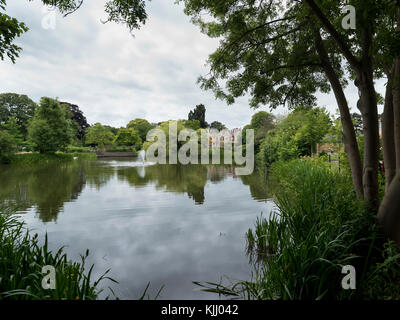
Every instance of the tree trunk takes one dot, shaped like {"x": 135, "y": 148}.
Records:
{"x": 389, "y": 211}
{"x": 349, "y": 134}
{"x": 368, "y": 106}
{"x": 389, "y": 156}
{"x": 388, "y": 215}
{"x": 396, "y": 99}
{"x": 369, "y": 110}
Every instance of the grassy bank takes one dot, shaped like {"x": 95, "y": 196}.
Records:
{"x": 21, "y": 262}
{"x": 299, "y": 251}
{"x": 32, "y": 158}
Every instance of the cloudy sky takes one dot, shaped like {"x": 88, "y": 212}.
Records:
{"x": 114, "y": 77}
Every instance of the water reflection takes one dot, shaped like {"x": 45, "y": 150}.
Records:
{"x": 48, "y": 187}
{"x": 167, "y": 224}
{"x": 45, "y": 187}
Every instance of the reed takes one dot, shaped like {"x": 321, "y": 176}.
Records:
{"x": 21, "y": 262}
{"x": 298, "y": 251}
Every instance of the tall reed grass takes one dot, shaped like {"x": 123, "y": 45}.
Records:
{"x": 298, "y": 251}
{"x": 21, "y": 262}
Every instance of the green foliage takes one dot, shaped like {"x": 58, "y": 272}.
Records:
{"x": 298, "y": 251}
{"x": 98, "y": 135}
{"x": 77, "y": 121}
{"x": 23, "y": 257}
{"x": 128, "y": 137}
{"x": 165, "y": 127}
{"x": 7, "y": 146}
{"x": 121, "y": 149}
{"x": 265, "y": 51}
{"x": 20, "y": 107}
{"x": 192, "y": 124}
{"x": 12, "y": 127}
{"x": 142, "y": 126}
{"x": 217, "y": 125}
{"x": 262, "y": 122}
{"x": 74, "y": 149}
{"x": 59, "y": 157}
{"x": 10, "y": 29}
{"x": 199, "y": 113}
{"x": 296, "y": 135}
{"x": 49, "y": 130}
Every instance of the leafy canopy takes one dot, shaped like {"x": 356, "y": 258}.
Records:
{"x": 296, "y": 135}
{"x": 199, "y": 113}
{"x": 21, "y": 107}
{"x": 128, "y": 137}
{"x": 49, "y": 130}
{"x": 10, "y": 29}
{"x": 99, "y": 135}
{"x": 142, "y": 126}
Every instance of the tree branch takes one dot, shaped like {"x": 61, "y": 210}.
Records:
{"x": 335, "y": 35}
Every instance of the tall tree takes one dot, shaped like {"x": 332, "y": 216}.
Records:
{"x": 276, "y": 54}
{"x": 49, "y": 129}
{"x": 7, "y": 146}
{"x": 20, "y": 107}
{"x": 99, "y": 135}
{"x": 12, "y": 127}
{"x": 199, "y": 113}
{"x": 261, "y": 123}
{"x": 128, "y": 137}
{"x": 142, "y": 126}
{"x": 78, "y": 117}
{"x": 283, "y": 54}
{"x": 217, "y": 125}
{"x": 296, "y": 135}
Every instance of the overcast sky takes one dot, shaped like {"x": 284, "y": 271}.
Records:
{"x": 114, "y": 77}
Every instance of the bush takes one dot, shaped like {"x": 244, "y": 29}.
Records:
{"x": 128, "y": 138}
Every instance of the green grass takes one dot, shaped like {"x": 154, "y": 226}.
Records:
{"x": 120, "y": 149}
{"x": 33, "y": 158}
{"x": 73, "y": 149}
{"x": 299, "y": 251}
{"x": 21, "y": 262}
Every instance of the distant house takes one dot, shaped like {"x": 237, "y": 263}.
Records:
{"x": 218, "y": 138}
{"x": 327, "y": 147}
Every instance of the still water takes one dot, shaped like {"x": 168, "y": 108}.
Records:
{"x": 164, "y": 224}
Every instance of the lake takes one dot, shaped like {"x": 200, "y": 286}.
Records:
{"x": 164, "y": 224}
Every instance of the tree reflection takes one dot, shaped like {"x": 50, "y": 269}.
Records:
{"x": 48, "y": 186}
{"x": 189, "y": 179}
{"x": 257, "y": 183}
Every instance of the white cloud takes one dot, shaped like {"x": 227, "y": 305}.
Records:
{"x": 115, "y": 77}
